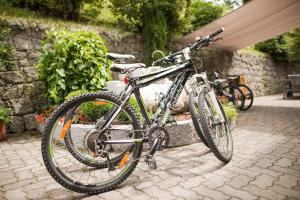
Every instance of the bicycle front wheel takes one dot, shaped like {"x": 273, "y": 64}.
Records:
{"x": 79, "y": 156}
{"x": 195, "y": 112}
{"x": 215, "y": 126}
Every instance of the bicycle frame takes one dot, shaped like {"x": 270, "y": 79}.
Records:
{"x": 135, "y": 83}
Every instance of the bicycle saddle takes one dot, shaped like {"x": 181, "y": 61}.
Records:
{"x": 117, "y": 56}
{"x": 123, "y": 68}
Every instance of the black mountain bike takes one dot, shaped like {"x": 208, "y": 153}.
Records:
{"x": 247, "y": 92}
{"x": 96, "y": 154}
{"x": 232, "y": 93}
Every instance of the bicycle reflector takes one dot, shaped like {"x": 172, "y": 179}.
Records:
{"x": 126, "y": 80}
{"x": 124, "y": 160}
{"x": 65, "y": 129}
{"x": 98, "y": 102}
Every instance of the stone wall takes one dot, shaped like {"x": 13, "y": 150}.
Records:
{"x": 263, "y": 75}
{"x": 21, "y": 92}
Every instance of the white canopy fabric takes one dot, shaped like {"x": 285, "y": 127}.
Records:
{"x": 254, "y": 22}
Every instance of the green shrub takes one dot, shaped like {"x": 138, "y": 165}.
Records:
{"x": 294, "y": 45}
{"x": 4, "y": 115}
{"x": 276, "y": 47}
{"x": 230, "y": 111}
{"x": 93, "y": 111}
{"x": 72, "y": 61}
{"x": 75, "y": 93}
{"x": 5, "y": 49}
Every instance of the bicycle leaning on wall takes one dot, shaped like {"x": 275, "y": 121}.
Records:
{"x": 97, "y": 154}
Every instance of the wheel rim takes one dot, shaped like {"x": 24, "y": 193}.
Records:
{"x": 220, "y": 133}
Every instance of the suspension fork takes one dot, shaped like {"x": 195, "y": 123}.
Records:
{"x": 212, "y": 95}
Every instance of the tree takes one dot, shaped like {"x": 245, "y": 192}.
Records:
{"x": 158, "y": 21}
{"x": 68, "y": 9}
{"x": 202, "y": 13}
{"x": 294, "y": 45}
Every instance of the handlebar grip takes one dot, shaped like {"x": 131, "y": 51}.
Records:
{"x": 217, "y": 32}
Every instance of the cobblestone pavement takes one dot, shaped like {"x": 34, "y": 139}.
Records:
{"x": 265, "y": 165}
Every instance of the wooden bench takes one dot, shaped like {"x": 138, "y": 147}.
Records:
{"x": 291, "y": 85}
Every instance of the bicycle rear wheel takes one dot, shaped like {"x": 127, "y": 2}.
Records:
{"x": 248, "y": 94}
{"x": 235, "y": 95}
{"x": 215, "y": 126}
{"x": 78, "y": 156}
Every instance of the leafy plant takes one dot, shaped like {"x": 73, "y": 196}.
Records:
{"x": 276, "y": 47}
{"x": 5, "y": 49}
{"x": 72, "y": 61}
{"x": 4, "y": 115}
{"x": 230, "y": 111}
{"x": 294, "y": 45}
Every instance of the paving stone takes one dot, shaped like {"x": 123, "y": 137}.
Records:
{"x": 239, "y": 181}
{"x": 193, "y": 182}
{"x": 263, "y": 181}
{"x": 184, "y": 193}
{"x": 287, "y": 181}
{"x": 286, "y": 191}
{"x": 157, "y": 193}
{"x": 230, "y": 191}
{"x": 269, "y": 194}
{"x": 284, "y": 162}
{"x": 15, "y": 194}
{"x": 214, "y": 194}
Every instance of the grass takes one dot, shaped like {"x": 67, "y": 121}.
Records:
{"x": 29, "y": 18}
{"x": 252, "y": 51}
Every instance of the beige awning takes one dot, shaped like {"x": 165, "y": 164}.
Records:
{"x": 254, "y": 22}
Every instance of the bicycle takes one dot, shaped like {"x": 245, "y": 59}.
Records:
{"x": 225, "y": 89}
{"x": 96, "y": 154}
{"x": 247, "y": 92}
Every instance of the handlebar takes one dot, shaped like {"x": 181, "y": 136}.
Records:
{"x": 202, "y": 42}
{"x": 217, "y": 32}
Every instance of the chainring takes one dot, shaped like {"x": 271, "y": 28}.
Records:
{"x": 155, "y": 132}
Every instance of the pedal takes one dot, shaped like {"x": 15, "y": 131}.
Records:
{"x": 149, "y": 159}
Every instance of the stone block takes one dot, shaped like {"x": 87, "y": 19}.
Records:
{"x": 24, "y": 63}
{"x": 22, "y": 42}
{"x": 12, "y": 77}
{"x": 22, "y": 106}
{"x": 11, "y": 92}
{"x": 33, "y": 58}
{"x": 183, "y": 133}
{"x": 28, "y": 90}
{"x": 29, "y": 122}
{"x": 18, "y": 55}
{"x": 17, "y": 124}
{"x": 30, "y": 74}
